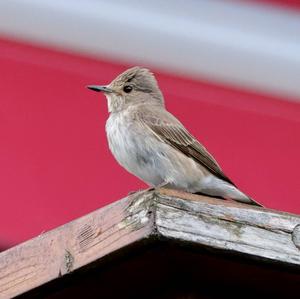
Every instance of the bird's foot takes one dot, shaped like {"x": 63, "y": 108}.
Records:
{"x": 141, "y": 190}
{"x": 133, "y": 192}
{"x": 154, "y": 188}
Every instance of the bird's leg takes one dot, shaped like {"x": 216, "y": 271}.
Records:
{"x": 133, "y": 192}
{"x": 144, "y": 190}
{"x": 163, "y": 184}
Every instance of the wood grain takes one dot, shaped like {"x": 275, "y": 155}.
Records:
{"x": 230, "y": 226}
{"x": 74, "y": 245}
{"x": 174, "y": 215}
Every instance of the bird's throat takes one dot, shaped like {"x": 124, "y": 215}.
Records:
{"x": 115, "y": 102}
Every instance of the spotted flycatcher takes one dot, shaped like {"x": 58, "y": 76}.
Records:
{"x": 153, "y": 144}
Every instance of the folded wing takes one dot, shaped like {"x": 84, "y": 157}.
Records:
{"x": 168, "y": 129}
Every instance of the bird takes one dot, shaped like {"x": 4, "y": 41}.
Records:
{"x": 152, "y": 144}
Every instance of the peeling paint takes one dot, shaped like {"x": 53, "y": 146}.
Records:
{"x": 137, "y": 212}
{"x": 296, "y": 236}
{"x": 68, "y": 260}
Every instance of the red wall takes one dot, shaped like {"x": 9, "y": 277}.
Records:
{"x": 55, "y": 163}
{"x": 290, "y": 4}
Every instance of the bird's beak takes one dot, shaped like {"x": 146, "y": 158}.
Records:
{"x": 99, "y": 88}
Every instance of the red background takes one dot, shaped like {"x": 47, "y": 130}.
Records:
{"x": 290, "y": 4}
{"x": 55, "y": 163}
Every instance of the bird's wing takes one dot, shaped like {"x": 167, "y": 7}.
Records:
{"x": 168, "y": 129}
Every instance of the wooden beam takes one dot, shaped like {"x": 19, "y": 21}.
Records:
{"x": 172, "y": 215}
{"x": 75, "y": 244}
{"x": 229, "y": 226}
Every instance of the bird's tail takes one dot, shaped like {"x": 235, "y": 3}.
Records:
{"x": 237, "y": 195}
{"x": 218, "y": 188}
{"x": 250, "y": 201}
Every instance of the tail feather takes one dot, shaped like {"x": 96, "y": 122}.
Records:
{"x": 218, "y": 188}
{"x": 239, "y": 196}
{"x": 248, "y": 200}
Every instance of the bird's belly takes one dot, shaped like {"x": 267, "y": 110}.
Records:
{"x": 135, "y": 152}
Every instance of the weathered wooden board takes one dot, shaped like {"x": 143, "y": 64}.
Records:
{"x": 224, "y": 225}
{"x": 229, "y": 226}
{"x": 74, "y": 245}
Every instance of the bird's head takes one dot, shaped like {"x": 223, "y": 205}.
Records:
{"x": 136, "y": 85}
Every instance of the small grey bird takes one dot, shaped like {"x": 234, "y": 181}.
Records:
{"x": 153, "y": 145}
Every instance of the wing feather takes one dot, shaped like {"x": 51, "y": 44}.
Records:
{"x": 168, "y": 129}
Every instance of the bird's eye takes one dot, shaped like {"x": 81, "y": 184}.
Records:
{"x": 127, "y": 88}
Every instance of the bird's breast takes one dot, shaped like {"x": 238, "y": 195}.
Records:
{"x": 125, "y": 140}
{"x": 131, "y": 147}
{"x": 118, "y": 131}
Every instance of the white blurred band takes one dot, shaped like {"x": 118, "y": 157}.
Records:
{"x": 246, "y": 45}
